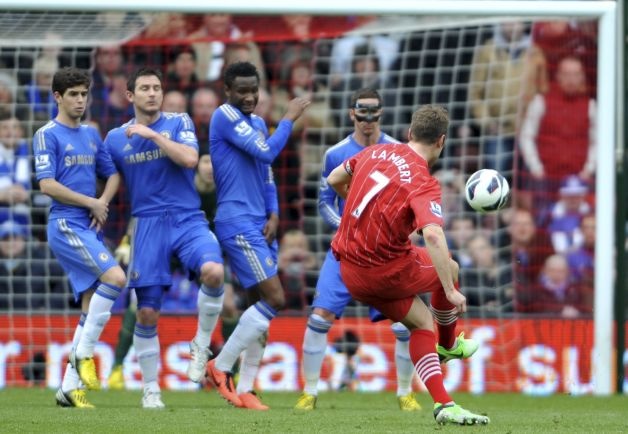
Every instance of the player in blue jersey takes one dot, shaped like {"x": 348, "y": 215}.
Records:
{"x": 332, "y": 296}
{"x": 246, "y": 222}
{"x": 68, "y": 158}
{"x": 157, "y": 153}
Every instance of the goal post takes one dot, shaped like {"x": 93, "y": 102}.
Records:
{"x": 609, "y": 71}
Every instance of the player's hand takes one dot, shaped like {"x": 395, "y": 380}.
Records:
{"x": 456, "y": 298}
{"x": 141, "y": 130}
{"x": 99, "y": 210}
{"x": 270, "y": 228}
{"x": 296, "y": 107}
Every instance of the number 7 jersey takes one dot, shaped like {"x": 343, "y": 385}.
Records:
{"x": 391, "y": 195}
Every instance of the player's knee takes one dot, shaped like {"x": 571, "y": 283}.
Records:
{"x": 114, "y": 276}
{"x": 276, "y": 300}
{"x": 325, "y": 314}
{"x": 212, "y": 274}
{"x": 147, "y": 315}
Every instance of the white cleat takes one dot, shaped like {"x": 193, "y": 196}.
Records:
{"x": 152, "y": 400}
{"x": 198, "y": 362}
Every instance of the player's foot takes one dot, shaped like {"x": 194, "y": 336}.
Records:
{"x": 251, "y": 401}
{"x": 152, "y": 400}
{"x": 453, "y": 413}
{"x": 223, "y": 381}
{"x": 86, "y": 369}
{"x": 408, "y": 402}
{"x": 116, "y": 379}
{"x": 198, "y": 361}
{"x": 306, "y": 402}
{"x": 463, "y": 349}
{"x": 73, "y": 398}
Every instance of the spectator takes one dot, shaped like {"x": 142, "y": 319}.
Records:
{"x": 182, "y": 75}
{"x": 15, "y": 172}
{"x": 582, "y": 260}
{"x": 12, "y": 100}
{"x": 116, "y": 108}
{"x": 566, "y": 214}
{"x": 29, "y": 279}
{"x": 505, "y": 73}
{"x": 174, "y": 102}
{"x": 556, "y": 293}
{"x": 486, "y": 283}
{"x": 452, "y": 187}
{"x": 38, "y": 92}
{"x": 204, "y": 102}
{"x": 294, "y": 261}
{"x": 108, "y": 64}
{"x": 461, "y": 229}
{"x": 558, "y": 133}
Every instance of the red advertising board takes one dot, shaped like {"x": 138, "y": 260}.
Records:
{"x": 536, "y": 356}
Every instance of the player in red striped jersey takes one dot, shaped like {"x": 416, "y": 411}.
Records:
{"x": 390, "y": 194}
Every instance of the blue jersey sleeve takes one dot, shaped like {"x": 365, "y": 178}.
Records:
{"x": 272, "y": 203}
{"x": 186, "y": 133}
{"x": 104, "y": 164}
{"x": 238, "y": 132}
{"x": 327, "y": 197}
{"x": 44, "y": 150}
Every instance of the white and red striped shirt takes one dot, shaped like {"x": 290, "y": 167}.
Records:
{"x": 391, "y": 195}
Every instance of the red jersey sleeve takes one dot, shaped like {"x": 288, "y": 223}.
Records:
{"x": 426, "y": 205}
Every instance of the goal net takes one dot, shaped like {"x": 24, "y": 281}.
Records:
{"x": 527, "y": 271}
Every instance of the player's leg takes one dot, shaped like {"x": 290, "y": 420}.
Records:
{"x": 146, "y": 343}
{"x": 405, "y": 368}
{"x": 255, "y": 264}
{"x": 85, "y": 259}
{"x": 198, "y": 249}
{"x": 125, "y": 340}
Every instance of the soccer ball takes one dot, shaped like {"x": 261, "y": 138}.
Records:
{"x": 487, "y": 190}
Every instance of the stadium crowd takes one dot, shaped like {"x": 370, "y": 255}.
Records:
{"x": 534, "y": 258}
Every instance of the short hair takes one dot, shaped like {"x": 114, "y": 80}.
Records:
{"x": 240, "y": 69}
{"x": 429, "y": 123}
{"x": 142, "y": 72}
{"x": 365, "y": 92}
{"x": 68, "y": 77}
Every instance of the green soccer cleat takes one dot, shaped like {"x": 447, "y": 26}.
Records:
{"x": 306, "y": 402}
{"x": 408, "y": 403}
{"x": 453, "y": 413}
{"x": 464, "y": 349}
{"x": 116, "y": 379}
{"x": 73, "y": 398}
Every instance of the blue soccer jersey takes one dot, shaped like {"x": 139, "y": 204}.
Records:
{"x": 331, "y": 292}
{"x": 242, "y": 152}
{"x": 330, "y": 205}
{"x": 155, "y": 182}
{"x": 73, "y": 157}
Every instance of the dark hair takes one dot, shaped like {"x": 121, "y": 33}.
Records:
{"x": 365, "y": 92}
{"x": 429, "y": 123}
{"x": 240, "y": 69}
{"x": 68, "y": 77}
{"x": 142, "y": 72}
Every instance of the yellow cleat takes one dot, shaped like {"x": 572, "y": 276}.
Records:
{"x": 408, "y": 402}
{"x": 306, "y": 402}
{"x": 86, "y": 369}
{"x": 116, "y": 379}
{"x": 74, "y": 398}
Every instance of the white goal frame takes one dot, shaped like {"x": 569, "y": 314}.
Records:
{"x": 610, "y": 70}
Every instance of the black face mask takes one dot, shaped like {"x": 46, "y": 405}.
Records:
{"x": 367, "y": 113}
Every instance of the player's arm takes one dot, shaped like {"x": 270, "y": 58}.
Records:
{"x": 272, "y": 206}
{"x": 181, "y": 153}
{"x": 340, "y": 178}
{"x": 59, "y": 192}
{"x": 237, "y": 131}
{"x": 327, "y": 197}
{"x": 436, "y": 245}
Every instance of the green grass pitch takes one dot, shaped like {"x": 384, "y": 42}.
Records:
{"x": 33, "y": 410}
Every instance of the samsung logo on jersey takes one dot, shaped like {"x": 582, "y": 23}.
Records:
{"x": 75, "y": 160}
{"x": 142, "y": 157}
